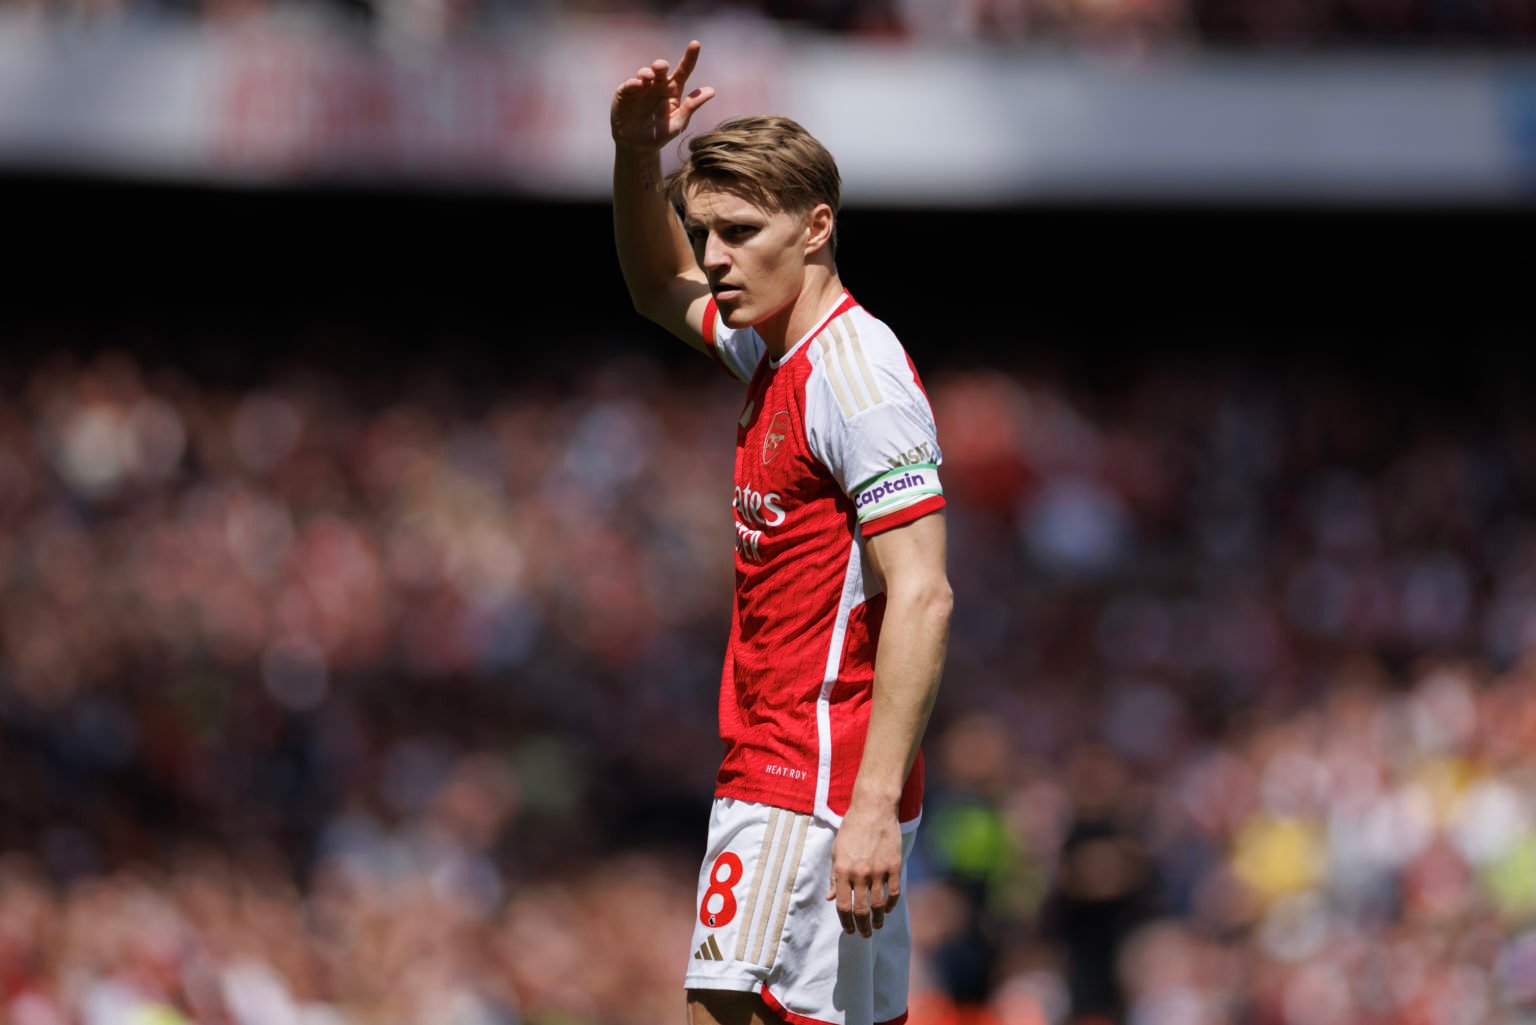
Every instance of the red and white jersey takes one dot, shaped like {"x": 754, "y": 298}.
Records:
{"x": 836, "y": 443}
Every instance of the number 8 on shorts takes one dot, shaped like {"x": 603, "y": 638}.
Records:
{"x": 718, "y": 913}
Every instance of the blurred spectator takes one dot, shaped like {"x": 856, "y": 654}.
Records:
{"x": 1103, "y": 884}
{"x": 322, "y": 705}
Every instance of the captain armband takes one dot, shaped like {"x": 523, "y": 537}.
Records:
{"x": 896, "y": 489}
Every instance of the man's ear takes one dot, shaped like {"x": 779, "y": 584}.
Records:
{"x": 820, "y": 223}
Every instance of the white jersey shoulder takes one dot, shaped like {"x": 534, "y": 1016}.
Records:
{"x": 739, "y": 350}
{"x": 867, "y": 419}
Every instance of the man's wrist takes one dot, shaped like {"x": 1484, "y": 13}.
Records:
{"x": 874, "y": 797}
{"x": 643, "y": 152}
{"x": 644, "y": 165}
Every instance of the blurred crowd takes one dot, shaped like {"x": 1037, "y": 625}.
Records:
{"x": 1052, "y": 25}
{"x": 333, "y": 704}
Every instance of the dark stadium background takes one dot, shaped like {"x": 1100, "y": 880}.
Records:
{"x": 1417, "y": 294}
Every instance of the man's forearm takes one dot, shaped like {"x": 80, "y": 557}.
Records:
{"x": 908, "y": 664}
{"x": 653, "y": 251}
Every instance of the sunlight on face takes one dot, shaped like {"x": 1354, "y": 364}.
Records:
{"x": 755, "y": 258}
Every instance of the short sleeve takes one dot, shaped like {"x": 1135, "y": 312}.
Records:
{"x": 737, "y": 351}
{"x": 869, "y": 422}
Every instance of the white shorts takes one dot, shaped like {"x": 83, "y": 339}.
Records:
{"x": 763, "y": 924}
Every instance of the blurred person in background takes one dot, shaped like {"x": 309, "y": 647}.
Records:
{"x": 840, "y": 557}
{"x": 1103, "y": 885}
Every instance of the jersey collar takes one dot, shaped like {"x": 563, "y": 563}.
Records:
{"x": 844, "y": 303}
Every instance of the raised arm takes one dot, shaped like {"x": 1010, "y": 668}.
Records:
{"x": 866, "y": 855}
{"x": 649, "y": 111}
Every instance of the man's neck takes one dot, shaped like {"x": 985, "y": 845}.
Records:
{"x": 789, "y": 325}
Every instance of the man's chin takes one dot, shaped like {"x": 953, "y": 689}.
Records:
{"x": 735, "y": 317}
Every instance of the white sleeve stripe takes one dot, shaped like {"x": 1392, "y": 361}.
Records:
{"x": 834, "y": 379}
{"x": 844, "y": 365}
{"x": 858, "y": 351}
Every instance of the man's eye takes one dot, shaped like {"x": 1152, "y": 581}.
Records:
{"x": 743, "y": 231}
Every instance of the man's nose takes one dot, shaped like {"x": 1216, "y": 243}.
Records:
{"x": 715, "y": 252}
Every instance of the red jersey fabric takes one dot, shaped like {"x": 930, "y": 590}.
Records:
{"x": 836, "y": 442}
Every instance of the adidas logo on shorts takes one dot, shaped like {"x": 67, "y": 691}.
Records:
{"x": 709, "y": 951}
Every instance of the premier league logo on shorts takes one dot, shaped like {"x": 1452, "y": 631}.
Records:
{"x": 778, "y": 430}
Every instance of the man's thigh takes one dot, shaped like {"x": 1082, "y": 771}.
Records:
{"x": 723, "y": 1007}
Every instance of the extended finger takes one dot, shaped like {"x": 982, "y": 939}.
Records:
{"x": 685, "y": 66}
{"x": 839, "y": 892}
{"x": 845, "y": 911}
{"x": 892, "y": 895}
{"x": 861, "y": 908}
{"x": 696, "y": 99}
{"x": 878, "y": 895}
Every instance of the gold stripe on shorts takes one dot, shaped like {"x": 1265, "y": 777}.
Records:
{"x": 759, "y": 933}
{"x": 757, "y": 883}
{"x": 788, "y": 896}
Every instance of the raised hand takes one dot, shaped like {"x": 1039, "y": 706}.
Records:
{"x": 652, "y": 109}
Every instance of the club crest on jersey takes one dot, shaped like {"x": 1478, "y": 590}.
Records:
{"x": 778, "y": 430}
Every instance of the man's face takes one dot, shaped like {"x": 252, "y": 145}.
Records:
{"x": 754, "y": 258}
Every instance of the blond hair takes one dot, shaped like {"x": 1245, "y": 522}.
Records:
{"x": 771, "y": 158}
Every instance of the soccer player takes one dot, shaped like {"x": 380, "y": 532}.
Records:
{"x": 841, "y": 611}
